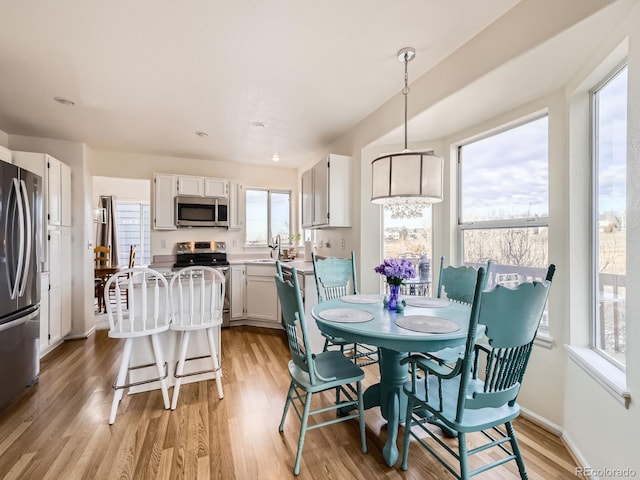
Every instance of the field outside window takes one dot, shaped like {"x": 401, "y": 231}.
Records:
{"x": 504, "y": 203}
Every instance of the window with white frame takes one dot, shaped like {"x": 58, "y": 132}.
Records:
{"x": 609, "y": 154}
{"x": 134, "y": 227}
{"x": 504, "y": 203}
{"x": 268, "y": 214}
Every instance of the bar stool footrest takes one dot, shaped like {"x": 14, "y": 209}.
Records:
{"x": 211, "y": 370}
{"x": 142, "y": 382}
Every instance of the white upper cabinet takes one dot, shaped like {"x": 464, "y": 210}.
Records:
{"x": 307, "y": 198}
{"x": 203, "y": 186}
{"x": 165, "y": 190}
{"x": 56, "y": 178}
{"x": 216, "y": 187}
{"x": 193, "y": 186}
{"x": 236, "y": 206}
{"x": 326, "y": 193}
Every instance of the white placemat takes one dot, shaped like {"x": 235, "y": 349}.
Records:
{"x": 427, "y": 324}
{"x": 426, "y": 302}
{"x": 346, "y": 315}
{"x": 361, "y": 298}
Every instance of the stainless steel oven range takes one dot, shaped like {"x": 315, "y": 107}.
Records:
{"x": 210, "y": 254}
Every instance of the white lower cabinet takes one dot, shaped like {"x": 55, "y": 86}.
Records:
{"x": 261, "y": 294}
{"x": 44, "y": 311}
{"x": 55, "y": 301}
{"x": 237, "y": 296}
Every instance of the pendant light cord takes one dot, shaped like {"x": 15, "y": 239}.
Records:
{"x": 405, "y": 92}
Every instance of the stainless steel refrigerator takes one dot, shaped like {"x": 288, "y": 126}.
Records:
{"x": 20, "y": 247}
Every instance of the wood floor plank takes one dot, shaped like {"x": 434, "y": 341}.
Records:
{"x": 58, "y": 428}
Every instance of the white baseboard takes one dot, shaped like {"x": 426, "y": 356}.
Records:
{"x": 577, "y": 456}
{"x": 541, "y": 421}
{"x": 81, "y": 336}
{"x": 560, "y": 432}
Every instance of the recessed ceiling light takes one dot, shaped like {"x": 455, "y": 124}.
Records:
{"x": 275, "y": 157}
{"x": 64, "y": 101}
{"x": 259, "y": 124}
{"x": 202, "y": 134}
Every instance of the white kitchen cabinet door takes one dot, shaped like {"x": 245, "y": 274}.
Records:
{"x": 165, "y": 190}
{"x": 54, "y": 187}
{"x": 261, "y": 294}
{"x": 216, "y": 187}
{"x": 331, "y": 203}
{"x": 65, "y": 195}
{"x": 55, "y": 286}
{"x": 44, "y": 311}
{"x": 321, "y": 193}
{"x": 237, "y": 296}
{"x": 307, "y": 198}
{"x": 65, "y": 284}
{"x": 236, "y": 206}
{"x": 193, "y": 186}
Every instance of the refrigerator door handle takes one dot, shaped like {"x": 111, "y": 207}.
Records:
{"x": 28, "y": 246}
{"x": 15, "y": 186}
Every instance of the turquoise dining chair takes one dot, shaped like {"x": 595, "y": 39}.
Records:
{"x": 458, "y": 283}
{"x": 336, "y": 277}
{"x": 473, "y": 395}
{"x": 314, "y": 373}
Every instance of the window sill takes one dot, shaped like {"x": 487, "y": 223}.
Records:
{"x": 602, "y": 371}
{"x": 544, "y": 340}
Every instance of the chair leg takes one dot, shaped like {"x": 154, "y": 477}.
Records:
{"x": 184, "y": 343}
{"x": 516, "y": 451}
{"x": 303, "y": 431}
{"x": 216, "y": 363}
{"x": 286, "y": 407}
{"x": 120, "y": 379}
{"x": 157, "y": 353}
{"x": 363, "y": 437}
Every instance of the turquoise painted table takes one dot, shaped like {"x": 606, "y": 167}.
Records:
{"x": 394, "y": 343}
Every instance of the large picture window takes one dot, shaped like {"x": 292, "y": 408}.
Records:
{"x": 504, "y": 203}
{"x": 268, "y": 214}
{"x": 609, "y": 126}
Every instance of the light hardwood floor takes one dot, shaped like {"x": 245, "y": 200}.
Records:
{"x": 58, "y": 429}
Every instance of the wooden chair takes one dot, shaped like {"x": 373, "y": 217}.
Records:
{"x": 102, "y": 256}
{"x": 101, "y": 261}
{"x": 464, "y": 398}
{"x": 146, "y": 319}
{"x": 197, "y": 302}
{"x": 336, "y": 277}
{"x": 313, "y": 373}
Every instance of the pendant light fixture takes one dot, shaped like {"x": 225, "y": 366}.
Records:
{"x": 406, "y": 182}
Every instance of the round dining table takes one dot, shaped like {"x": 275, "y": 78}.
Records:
{"x": 365, "y": 319}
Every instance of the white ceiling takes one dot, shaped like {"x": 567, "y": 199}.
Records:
{"x": 145, "y": 75}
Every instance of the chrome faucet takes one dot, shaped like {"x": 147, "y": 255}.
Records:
{"x": 276, "y": 244}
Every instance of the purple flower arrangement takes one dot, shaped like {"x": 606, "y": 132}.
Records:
{"x": 396, "y": 271}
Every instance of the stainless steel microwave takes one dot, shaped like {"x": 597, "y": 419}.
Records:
{"x": 202, "y": 212}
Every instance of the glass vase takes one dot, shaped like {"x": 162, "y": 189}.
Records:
{"x": 394, "y": 290}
